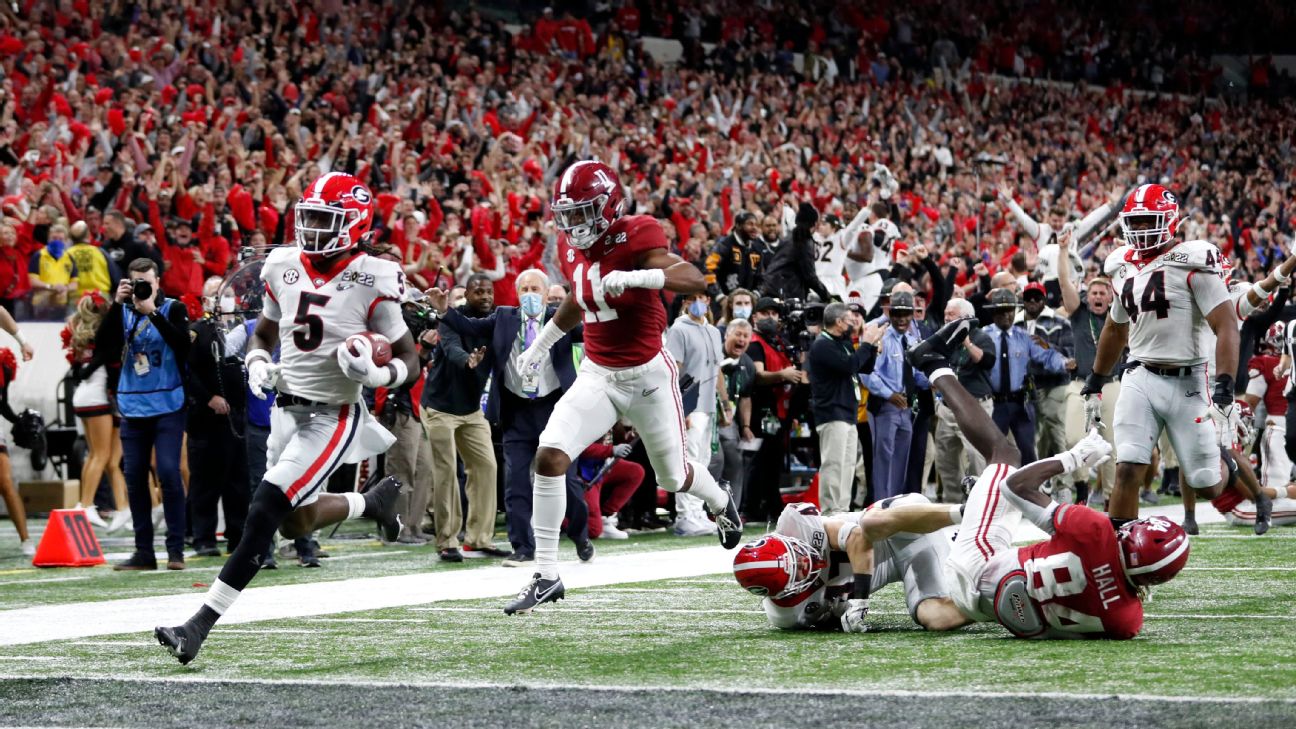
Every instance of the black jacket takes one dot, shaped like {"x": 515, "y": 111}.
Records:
{"x": 126, "y": 249}
{"x": 791, "y": 272}
{"x": 735, "y": 264}
{"x": 173, "y": 328}
{"x": 975, "y": 376}
{"x": 452, "y": 387}
{"x": 210, "y": 373}
{"x": 833, "y": 366}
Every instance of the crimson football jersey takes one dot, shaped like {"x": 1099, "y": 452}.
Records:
{"x": 1076, "y": 581}
{"x": 1270, "y": 389}
{"x": 625, "y": 330}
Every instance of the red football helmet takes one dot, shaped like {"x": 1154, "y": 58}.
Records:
{"x": 1152, "y": 550}
{"x": 1275, "y": 338}
{"x": 777, "y": 566}
{"x": 1150, "y": 217}
{"x": 334, "y": 214}
{"x": 587, "y": 200}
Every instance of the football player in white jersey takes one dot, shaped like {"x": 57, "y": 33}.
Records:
{"x": 832, "y": 243}
{"x": 818, "y": 572}
{"x": 868, "y": 256}
{"x": 1174, "y": 309}
{"x": 1045, "y": 235}
{"x": 318, "y": 294}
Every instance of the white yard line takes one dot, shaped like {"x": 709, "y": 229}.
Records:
{"x": 740, "y": 691}
{"x": 109, "y": 617}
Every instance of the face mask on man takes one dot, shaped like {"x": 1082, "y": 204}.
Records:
{"x": 531, "y": 303}
{"x": 697, "y": 308}
{"x": 767, "y": 328}
{"x": 742, "y": 312}
{"x": 56, "y": 247}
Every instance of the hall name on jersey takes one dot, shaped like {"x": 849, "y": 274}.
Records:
{"x": 358, "y": 277}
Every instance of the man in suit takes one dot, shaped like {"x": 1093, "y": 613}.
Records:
{"x": 522, "y": 407}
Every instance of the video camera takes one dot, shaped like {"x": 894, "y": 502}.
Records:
{"x": 798, "y": 316}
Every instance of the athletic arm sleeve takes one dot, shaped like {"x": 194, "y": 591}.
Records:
{"x": 386, "y": 320}
{"x": 1040, "y": 516}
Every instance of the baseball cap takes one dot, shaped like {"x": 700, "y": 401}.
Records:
{"x": 765, "y": 303}
{"x": 142, "y": 228}
{"x": 1034, "y": 287}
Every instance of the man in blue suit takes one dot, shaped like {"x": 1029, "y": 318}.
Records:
{"x": 522, "y": 407}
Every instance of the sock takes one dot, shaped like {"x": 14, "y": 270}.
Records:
{"x": 956, "y": 513}
{"x": 704, "y": 487}
{"x": 1117, "y": 523}
{"x": 355, "y": 504}
{"x": 548, "y": 506}
{"x": 860, "y": 587}
{"x": 940, "y": 372}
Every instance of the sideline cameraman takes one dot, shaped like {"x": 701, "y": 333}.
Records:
{"x": 152, "y": 334}
{"x": 777, "y": 377}
{"x": 833, "y": 367}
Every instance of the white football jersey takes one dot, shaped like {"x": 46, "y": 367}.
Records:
{"x": 1165, "y": 301}
{"x": 317, "y": 311}
{"x": 1046, "y": 266}
{"x": 827, "y": 600}
{"x": 866, "y": 277}
{"x": 830, "y": 256}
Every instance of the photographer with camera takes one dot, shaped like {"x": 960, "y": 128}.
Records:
{"x": 152, "y": 334}
{"x": 777, "y": 377}
{"x": 833, "y": 367}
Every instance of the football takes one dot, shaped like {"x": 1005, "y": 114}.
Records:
{"x": 381, "y": 346}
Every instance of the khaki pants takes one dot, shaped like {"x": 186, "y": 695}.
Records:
{"x": 1050, "y": 422}
{"x": 838, "y": 449}
{"x": 470, "y": 436}
{"x": 1075, "y": 422}
{"x": 951, "y": 447}
{"x": 410, "y": 461}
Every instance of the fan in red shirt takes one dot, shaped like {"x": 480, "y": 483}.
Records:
{"x": 1085, "y": 581}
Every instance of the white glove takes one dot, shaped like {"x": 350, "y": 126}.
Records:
{"x": 1093, "y": 411}
{"x": 360, "y": 368}
{"x": 616, "y": 282}
{"x": 531, "y": 360}
{"x": 1092, "y": 451}
{"x": 855, "y": 619}
{"x": 621, "y": 450}
{"x": 1227, "y": 421}
{"x": 263, "y": 374}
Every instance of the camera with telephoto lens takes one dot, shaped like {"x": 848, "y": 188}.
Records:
{"x": 798, "y": 317}
{"x": 419, "y": 318}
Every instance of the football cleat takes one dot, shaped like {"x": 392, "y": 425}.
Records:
{"x": 306, "y": 554}
{"x": 934, "y": 352}
{"x": 537, "y": 592}
{"x": 585, "y": 550}
{"x": 381, "y": 502}
{"x": 728, "y": 521}
{"x": 1264, "y": 513}
{"x": 182, "y": 641}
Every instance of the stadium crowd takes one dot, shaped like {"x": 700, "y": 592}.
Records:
{"x": 916, "y": 165}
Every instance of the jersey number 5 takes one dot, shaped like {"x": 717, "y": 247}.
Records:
{"x": 309, "y": 338}
{"x": 1154, "y": 297}
{"x": 601, "y": 310}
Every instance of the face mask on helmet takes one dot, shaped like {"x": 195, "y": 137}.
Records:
{"x": 582, "y": 221}
{"x": 322, "y": 228}
{"x": 1146, "y": 230}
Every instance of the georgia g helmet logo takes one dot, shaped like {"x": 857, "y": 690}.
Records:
{"x": 361, "y": 194}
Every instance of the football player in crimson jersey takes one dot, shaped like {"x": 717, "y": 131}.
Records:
{"x": 1085, "y": 581}
{"x": 621, "y": 265}
{"x": 318, "y": 294}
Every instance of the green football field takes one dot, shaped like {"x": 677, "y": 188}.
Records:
{"x": 684, "y": 651}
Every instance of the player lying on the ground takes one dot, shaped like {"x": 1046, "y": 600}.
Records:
{"x": 318, "y": 294}
{"x": 818, "y": 572}
{"x": 1084, "y": 581}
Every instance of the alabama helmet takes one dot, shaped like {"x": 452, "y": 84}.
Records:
{"x": 1274, "y": 338}
{"x": 587, "y": 199}
{"x": 777, "y": 566}
{"x": 1246, "y": 427}
{"x": 334, "y": 214}
{"x": 1150, "y": 217}
{"x": 1152, "y": 550}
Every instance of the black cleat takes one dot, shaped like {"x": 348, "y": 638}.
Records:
{"x": 585, "y": 550}
{"x": 182, "y": 641}
{"x": 307, "y": 556}
{"x": 1190, "y": 524}
{"x": 537, "y": 592}
{"x": 729, "y": 524}
{"x": 269, "y": 563}
{"x": 381, "y": 503}
{"x": 1264, "y": 513}
{"x": 934, "y": 352}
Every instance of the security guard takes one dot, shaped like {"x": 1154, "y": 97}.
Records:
{"x": 1015, "y": 351}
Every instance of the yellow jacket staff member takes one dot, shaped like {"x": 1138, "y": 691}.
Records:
{"x": 52, "y": 271}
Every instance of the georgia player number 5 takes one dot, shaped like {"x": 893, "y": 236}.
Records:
{"x": 601, "y": 310}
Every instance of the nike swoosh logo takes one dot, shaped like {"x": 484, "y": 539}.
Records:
{"x": 541, "y": 596}
{"x": 1194, "y": 393}
{"x": 649, "y": 391}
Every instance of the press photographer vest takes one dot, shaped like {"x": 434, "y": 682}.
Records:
{"x": 151, "y": 381}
